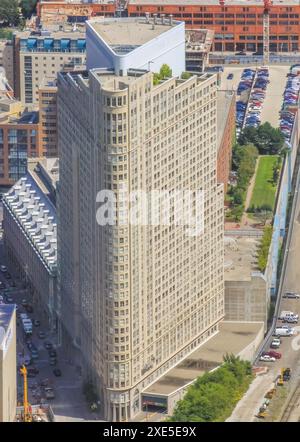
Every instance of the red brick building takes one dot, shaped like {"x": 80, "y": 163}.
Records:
{"x": 238, "y": 25}
{"x": 225, "y": 134}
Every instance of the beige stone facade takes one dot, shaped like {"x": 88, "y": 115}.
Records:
{"x": 136, "y": 299}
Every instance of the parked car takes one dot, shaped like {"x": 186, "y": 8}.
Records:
{"x": 275, "y": 343}
{"x": 49, "y": 393}
{"x": 273, "y": 354}
{"x": 52, "y": 353}
{"x": 230, "y": 76}
{"x": 41, "y": 335}
{"x": 48, "y": 345}
{"x": 291, "y": 295}
{"x": 57, "y": 372}
{"x": 3, "y": 268}
{"x": 24, "y": 302}
{"x": 53, "y": 361}
{"x": 36, "y": 323}
{"x": 267, "y": 358}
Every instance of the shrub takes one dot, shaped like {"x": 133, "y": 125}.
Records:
{"x": 264, "y": 248}
{"x": 214, "y": 395}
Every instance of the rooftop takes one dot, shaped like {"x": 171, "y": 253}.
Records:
{"x": 233, "y": 337}
{"x": 36, "y": 216}
{"x": 224, "y": 101}
{"x": 6, "y": 312}
{"x": 213, "y": 2}
{"x": 240, "y": 257}
{"x": 53, "y": 31}
{"x": 198, "y": 40}
{"x": 126, "y": 34}
{"x": 48, "y": 82}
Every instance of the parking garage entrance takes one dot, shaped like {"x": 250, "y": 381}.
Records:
{"x": 155, "y": 404}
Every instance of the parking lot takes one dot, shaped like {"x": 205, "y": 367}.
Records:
{"x": 274, "y": 92}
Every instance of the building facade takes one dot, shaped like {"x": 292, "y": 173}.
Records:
{"x": 29, "y": 225}
{"x": 40, "y": 54}
{"x": 73, "y": 12}
{"x": 226, "y": 134}
{"x": 238, "y": 24}
{"x": 19, "y": 140}
{"x": 136, "y": 299}
{"x": 8, "y": 363}
{"x": 48, "y": 117}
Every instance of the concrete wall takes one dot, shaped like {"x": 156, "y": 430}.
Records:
{"x": 248, "y": 353}
{"x": 8, "y": 377}
{"x": 168, "y": 48}
{"x": 247, "y": 300}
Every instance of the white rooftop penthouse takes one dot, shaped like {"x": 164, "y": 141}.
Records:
{"x": 135, "y": 43}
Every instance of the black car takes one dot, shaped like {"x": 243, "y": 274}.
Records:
{"x": 29, "y": 308}
{"x": 57, "y": 372}
{"x": 229, "y": 76}
{"x": 32, "y": 371}
{"x": 52, "y": 353}
{"x": 36, "y": 323}
{"x": 8, "y": 275}
{"x": 48, "y": 345}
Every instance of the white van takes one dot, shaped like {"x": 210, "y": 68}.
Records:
{"x": 287, "y": 314}
{"x": 281, "y": 331}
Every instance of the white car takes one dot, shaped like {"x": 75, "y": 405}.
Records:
{"x": 267, "y": 358}
{"x": 3, "y": 268}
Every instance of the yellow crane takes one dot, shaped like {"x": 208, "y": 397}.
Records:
{"x": 27, "y": 407}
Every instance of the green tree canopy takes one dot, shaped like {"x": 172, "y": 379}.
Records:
{"x": 267, "y": 139}
{"x": 214, "y": 395}
{"x": 28, "y": 7}
{"x": 9, "y": 12}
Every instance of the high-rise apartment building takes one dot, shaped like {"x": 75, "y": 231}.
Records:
{"x": 48, "y": 117}
{"x": 40, "y": 54}
{"x": 136, "y": 299}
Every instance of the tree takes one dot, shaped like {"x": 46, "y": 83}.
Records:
{"x": 28, "y": 7}
{"x": 165, "y": 71}
{"x": 9, "y": 12}
{"x": 267, "y": 139}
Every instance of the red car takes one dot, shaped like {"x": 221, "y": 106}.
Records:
{"x": 273, "y": 354}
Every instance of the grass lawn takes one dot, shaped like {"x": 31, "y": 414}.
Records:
{"x": 264, "y": 188}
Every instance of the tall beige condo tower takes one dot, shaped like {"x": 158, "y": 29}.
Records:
{"x": 135, "y": 300}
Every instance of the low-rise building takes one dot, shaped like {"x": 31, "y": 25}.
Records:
{"x": 8, "y": 363}
{"x": 18, "y": 140}
{"x": 42, "y": 53}
{"x": 198, "y": 43}
{"x": 225, "y": 134}
{"x": 247, "y": 291}
{"x": 29, "y": 225}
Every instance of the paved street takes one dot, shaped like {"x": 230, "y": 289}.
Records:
{"x": 290, "y": 347}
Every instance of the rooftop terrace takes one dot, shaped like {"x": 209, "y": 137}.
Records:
{"x": 36, "y": 216}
